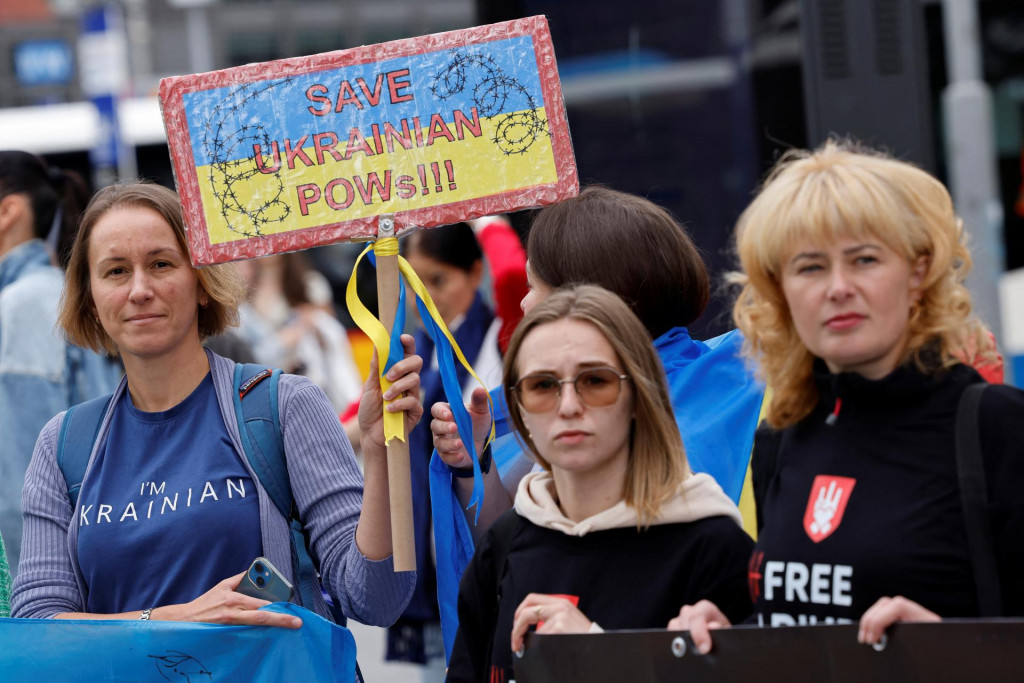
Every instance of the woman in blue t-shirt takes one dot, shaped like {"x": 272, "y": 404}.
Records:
{"x": 170, "y": 512}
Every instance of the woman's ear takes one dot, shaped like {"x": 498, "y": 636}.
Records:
{"x": 12, "y": 208}
{"x": 204, "y": 298}
{"x": 917, "y": 274}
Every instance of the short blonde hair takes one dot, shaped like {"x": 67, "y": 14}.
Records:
{"x": 844, "y": 190}
{"x": 657, "y": 460}
{"x": 77, "y": 310}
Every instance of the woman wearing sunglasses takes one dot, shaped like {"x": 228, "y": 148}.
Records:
{"x": 615, "y": 527}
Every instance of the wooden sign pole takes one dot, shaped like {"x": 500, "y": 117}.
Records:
{"x": 403, "y": 542}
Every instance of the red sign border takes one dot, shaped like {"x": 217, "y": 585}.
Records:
{"x": 173, "y": 89}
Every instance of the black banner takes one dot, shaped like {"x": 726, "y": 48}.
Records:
{"x": 967, "y": 650}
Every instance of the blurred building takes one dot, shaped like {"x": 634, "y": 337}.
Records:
{"x": 40, "y": 60}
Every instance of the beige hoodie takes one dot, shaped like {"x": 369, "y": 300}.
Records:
{"x": 698, "y": 497}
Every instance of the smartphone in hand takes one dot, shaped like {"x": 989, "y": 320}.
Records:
{"x": 262, "y": 580}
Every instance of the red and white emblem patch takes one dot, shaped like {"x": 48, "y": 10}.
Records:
{"x": 826, "y": 505}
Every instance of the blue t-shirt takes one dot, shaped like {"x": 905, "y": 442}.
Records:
{"x": 168, "y": 510}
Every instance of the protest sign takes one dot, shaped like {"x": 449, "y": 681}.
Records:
{"x": 964, "y": 650}
{"x": 294, "y": 153}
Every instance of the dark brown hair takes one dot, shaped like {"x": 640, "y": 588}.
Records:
{"x": 628, "y": 245}
{"x": 455, "y": 245}
{"x": 49, "y": 189}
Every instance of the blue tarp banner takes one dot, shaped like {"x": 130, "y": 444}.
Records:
{"x": 38, "y": 650}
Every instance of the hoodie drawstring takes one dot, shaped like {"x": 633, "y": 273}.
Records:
{"x": 834, "y": 415}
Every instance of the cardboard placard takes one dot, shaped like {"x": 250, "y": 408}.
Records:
{"x": 294, "y": 153}
{"x": 965, "y": 650}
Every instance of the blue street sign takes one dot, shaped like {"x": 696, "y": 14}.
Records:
{"x": 43, "y": 62}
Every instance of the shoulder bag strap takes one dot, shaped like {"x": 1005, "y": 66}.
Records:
{"x": 974, "y": 496}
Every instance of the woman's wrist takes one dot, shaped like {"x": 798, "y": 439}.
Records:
{"x": 166, "y": 613}
{"x": 485, "y": 465}
{"x": 368, "y": 448}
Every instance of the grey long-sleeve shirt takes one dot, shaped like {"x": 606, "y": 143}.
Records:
{"x": 326, "y": 484}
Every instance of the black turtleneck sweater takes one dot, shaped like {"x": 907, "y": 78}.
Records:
{"x": 867, "y": 504}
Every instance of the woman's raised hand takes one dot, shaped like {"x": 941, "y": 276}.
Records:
{"x": 405, "y": 389}
{"x": 699, "y": 620}
{"x": 446, "y": 434}
{"x": 222, "y": 605}
{"x": 552, "y": 614}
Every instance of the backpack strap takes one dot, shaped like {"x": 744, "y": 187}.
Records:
{"x": 974, "y": 497}
{"x": 75, "y": 441}
{"x": 259, "y": 426}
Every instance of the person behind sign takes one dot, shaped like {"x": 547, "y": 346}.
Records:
{"x": 40, "y": 373}
{"x": 854, "y": 307}
{"x": 292, "y": 302}
{"x": 170, "y": 511}
{"x": 615, "y": 524}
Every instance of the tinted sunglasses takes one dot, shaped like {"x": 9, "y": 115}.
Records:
{"x": 596, "y": 387}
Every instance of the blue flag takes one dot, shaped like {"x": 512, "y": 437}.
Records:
{"x": 35, "y": 650}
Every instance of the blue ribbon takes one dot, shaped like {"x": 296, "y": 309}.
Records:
{"x": 449, "y": 380}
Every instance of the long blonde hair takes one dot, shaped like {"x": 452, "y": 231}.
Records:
{"x": 657, "y": 461}
{"x": 842, "y": 190}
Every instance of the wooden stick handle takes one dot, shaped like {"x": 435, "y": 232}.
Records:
{"x": 403, "y": 542}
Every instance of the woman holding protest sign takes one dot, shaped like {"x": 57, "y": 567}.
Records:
{"x": 588, "y": 397}
{"x": 167, "y": 517}
{"x": 854, "y": 306}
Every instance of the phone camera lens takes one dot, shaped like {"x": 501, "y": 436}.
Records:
{"x": 258, "y": 567}
{"x": 260, "y": 581}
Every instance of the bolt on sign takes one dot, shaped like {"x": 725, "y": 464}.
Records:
{"x": 294, "y": 153}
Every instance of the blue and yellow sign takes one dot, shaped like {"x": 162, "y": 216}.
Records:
{"x": 289, "y": 154}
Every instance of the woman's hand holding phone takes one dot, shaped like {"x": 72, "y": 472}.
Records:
{"x": 222, "y": 604}
{"x": 263, "y": 580}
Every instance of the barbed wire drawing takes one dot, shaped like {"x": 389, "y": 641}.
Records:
{"x": 492, "y": 90}
{"x": 228, "y": 141}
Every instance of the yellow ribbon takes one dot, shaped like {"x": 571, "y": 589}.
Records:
{"x": 394, "y": 427}
{"x": 378, "y": 334}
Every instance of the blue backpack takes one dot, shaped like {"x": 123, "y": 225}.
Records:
{"x": 260, "y": 428}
